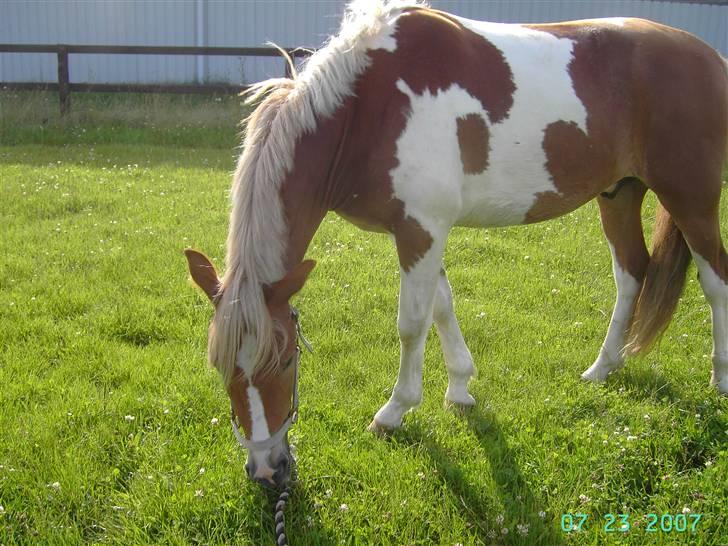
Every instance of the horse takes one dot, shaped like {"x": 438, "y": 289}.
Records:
{"x": 410, "y": 121}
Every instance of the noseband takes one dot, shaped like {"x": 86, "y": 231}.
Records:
{"x": 274, "y": 439}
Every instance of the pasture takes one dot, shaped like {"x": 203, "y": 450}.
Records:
{"x": 115, "y": 431}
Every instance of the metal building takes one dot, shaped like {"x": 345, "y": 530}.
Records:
{"x": 254, "y": 22}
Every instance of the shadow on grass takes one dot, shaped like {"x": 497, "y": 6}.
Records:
{"x": 515, "y": 495}
{"x": 645, "y": 383}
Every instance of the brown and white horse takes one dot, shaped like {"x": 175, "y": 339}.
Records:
{"x": 411, "y": 121}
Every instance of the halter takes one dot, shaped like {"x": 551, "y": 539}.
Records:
{"x": 261, "y": 445}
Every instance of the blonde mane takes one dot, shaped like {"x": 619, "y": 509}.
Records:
{"x": 289, "y": 109}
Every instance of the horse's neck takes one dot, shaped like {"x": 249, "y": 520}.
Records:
{"x": 313, "y": 187}
{"x": 304, "y": 214}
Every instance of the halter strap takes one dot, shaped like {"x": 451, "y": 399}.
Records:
{"x": 275, "y": 438}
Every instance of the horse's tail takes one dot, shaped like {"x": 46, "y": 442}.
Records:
{"x": 662, "y": 285}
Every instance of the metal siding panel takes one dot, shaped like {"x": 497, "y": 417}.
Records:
{"x": 250, "y": 23}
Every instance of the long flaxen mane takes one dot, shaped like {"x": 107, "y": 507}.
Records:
{"x": 290, "y": 107}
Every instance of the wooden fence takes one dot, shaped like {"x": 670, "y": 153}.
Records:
{"x": 65, "y": 87}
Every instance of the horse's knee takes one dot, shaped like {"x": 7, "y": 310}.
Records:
{"x": 443, "y": 308}
{"x": 411, "y": 329}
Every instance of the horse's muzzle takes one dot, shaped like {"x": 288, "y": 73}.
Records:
{"x": 281, "y": 475}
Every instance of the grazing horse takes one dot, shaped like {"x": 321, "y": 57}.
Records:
{"x": 411, "y": 121}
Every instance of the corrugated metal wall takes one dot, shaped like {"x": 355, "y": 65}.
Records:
{"x": 252, "y": 23}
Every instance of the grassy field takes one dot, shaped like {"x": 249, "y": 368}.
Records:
{"x": 114, "y": 430}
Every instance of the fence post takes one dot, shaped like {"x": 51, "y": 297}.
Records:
{"x": 63, "y": 81}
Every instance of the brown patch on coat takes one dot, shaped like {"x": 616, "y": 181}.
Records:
{"x": 428, "y": 43}
{"x": 473, "y": 141}
{"x": 622, "y": 224}
{"x": 583, "y": 164}
{"x": 577, "y": 168}
{"x": 656, "y": 107}
{"x": 434, "y": 51}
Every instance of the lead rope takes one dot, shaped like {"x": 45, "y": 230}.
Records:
{"x": 280, "y": 518}
{"x": 279, "y": 511}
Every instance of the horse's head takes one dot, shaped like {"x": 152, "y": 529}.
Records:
{"x": 264, "y": 399}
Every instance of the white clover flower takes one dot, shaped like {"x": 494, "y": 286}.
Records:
{"x": 686, "y": 510}
{"x": 344, "y": 508}
{"x": 499, "y": 519}
{"x": 202, "y": 470}
{"x": 55, "y": 485}
{"x": 214, "y": 421}
{"x": 129, "y": 418}
{"x": 199, "y": 493}
{"x": 542, "y": 514}
{"x": 522, "y": 529}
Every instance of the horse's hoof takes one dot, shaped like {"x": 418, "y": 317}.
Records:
{"x": 378, "y": 429}
{"x": 460, "y": 408}
{"x": 721, "y": 385}
{"x": 592, "y": 377}
{"x": 458, "y": 395}
{"x": 596, "y": 374}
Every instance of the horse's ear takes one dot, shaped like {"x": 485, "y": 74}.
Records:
{"x": 281, "y": 291}
{"x": 203, "y": 273}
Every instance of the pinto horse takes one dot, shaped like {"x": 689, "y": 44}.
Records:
{"x": 411, "y": 121}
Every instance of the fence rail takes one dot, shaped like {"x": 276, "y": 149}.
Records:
{"x": 65, "y": 87}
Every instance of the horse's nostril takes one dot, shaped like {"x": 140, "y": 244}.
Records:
{"x": 283, "y": 471}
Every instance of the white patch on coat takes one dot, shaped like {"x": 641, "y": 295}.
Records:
{"x": 258, "y": 423}
{"x": 716, "y": 292}
{"x": 428, "y": 176}
{"x": 246, "y": 355}
{"x": 430, "y": 179}
{"x": 618, "y": 21}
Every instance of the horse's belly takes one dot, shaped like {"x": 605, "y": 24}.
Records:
{"x": 519, "y": 192}
{"x": 504, "y": 194}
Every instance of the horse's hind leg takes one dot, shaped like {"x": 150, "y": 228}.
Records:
{"x": 458, "y": 360}
{"x": 702, "y": 233}
{"x": 622, "y": 225}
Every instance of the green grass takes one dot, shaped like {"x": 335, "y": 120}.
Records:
{"x": 98, "y": 321}
{"x": 112, "y": 118}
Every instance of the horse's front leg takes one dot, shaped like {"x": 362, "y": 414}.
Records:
{"x": 418, "y": 284}
{"x": 458, "y": 360}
